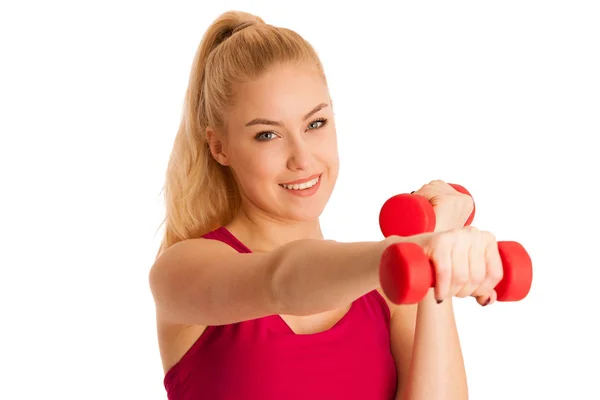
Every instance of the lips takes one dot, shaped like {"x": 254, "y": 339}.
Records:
{"x": 303, "y": 180}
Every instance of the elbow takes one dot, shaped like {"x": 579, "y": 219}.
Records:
{"x": 156, "y": 283}
{"x": 162, "y": 281}
{"x": 171, "y": 303}
{"x": 157, "y": 280}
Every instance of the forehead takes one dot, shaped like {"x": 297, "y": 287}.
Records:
{"x": 284, "y": 92}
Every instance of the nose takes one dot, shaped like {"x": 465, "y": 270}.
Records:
{"x": 300, "y": 157}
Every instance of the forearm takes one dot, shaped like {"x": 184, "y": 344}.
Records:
{"x": 314, "y": 276}
{"x": 437, "y": 368}
{"x": 426, "y": 342}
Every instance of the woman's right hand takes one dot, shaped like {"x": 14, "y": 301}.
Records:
{"x": 466, "y": 261}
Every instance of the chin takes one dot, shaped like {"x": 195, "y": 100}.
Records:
{"x": 308, "y": 213}
{"x": 308, "y": 208}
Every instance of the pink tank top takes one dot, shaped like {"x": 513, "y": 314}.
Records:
{"x": 264, "y": 359}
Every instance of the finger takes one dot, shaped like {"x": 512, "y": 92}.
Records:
{"x": 482, "y": 300}
{"x": 443, "y": 186}
{"x": 441, "y": 259}
{"x": 433, "y": 188}
{"x": 477, "y": 265}
{"x": 487, "y": 299}
{"x": 460, "y": 265}
{"x": 426, "y": 191}
{"x": 420, "y": 190}
{"x": 493, "y": 297}
{"x": 493, "y": 265}
{"x": 446, "y": 187}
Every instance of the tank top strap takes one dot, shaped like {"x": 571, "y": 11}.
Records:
{"x": 374, "y": 305}
{"x": 222, "y": 234}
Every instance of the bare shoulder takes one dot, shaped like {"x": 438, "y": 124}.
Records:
{"x": 177, "y": 271}
{"x": 174, "y": 340}
{"x": 182, "y": 266}
{"x": 192, "y": 247}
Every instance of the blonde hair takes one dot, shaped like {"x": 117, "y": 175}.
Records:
{"x": 200, "y": 194}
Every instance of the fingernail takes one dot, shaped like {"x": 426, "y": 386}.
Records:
{"x": 487, "y": 302}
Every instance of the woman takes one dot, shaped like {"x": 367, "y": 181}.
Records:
{"x": 251, "y": 301}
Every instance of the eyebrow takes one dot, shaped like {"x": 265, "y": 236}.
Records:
{"x": 263, "y": 121}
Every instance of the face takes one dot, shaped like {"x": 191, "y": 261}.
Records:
{"x": 281, "y": 143}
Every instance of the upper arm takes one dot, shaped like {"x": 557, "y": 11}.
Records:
{"x": 402, "y": 333}
{"x": 206, "y": 282}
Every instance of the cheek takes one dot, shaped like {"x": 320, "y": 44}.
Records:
{"x": 326, "y": 149}
{"x": 255, "y": 166}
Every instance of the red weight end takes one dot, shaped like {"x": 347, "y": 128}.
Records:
{"x": 461, "y": 189}
{"x": 405, "y": 273}
{"x": 406, "y": 215}
{"x": 518, "y": 272}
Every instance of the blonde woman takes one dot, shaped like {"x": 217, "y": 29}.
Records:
{"x": 251, "y": 301}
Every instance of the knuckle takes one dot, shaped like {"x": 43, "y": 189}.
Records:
{"x": 472, "y": 230}
{"x": 443, "y": 271}
{"x": 489, "y": 236}
{"x": 458, "y": 235}
{"x": 444, "y": 239}
{"x": 462, "y": 292}
{"x": 466, "y": 199}
{"x": 496, "y": 274}
{"x": 460, "y": 278}
{"x": 478, "y": 278}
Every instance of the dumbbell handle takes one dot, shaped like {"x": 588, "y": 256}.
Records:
{"x": 406, "y": 274}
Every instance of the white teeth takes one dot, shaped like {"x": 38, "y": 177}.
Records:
{"x": 302, "y": 186}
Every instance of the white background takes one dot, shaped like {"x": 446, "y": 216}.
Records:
{"x": 501, "y": 97}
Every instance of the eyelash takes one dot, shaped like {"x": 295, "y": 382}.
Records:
{"x": 323, "y": 120}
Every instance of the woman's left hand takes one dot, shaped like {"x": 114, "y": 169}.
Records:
{"x": 452, "y": 210}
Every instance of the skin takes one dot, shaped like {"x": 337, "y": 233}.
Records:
{"x": 424, "y": 338}
{"x": 264, "y": 156}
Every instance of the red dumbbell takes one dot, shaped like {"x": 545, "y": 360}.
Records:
{"x": 406, "y": 274}
{"x": 411, "y": 214}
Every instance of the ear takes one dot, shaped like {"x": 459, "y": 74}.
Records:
{"x": 216, "y": 145}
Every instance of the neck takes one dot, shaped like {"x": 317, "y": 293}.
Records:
{"x": 260, "y": 232}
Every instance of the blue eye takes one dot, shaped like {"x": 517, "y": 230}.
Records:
{"x": 261, "y": 136}
{"x": 322, "y": 121}
{"x": 316, "y": 124}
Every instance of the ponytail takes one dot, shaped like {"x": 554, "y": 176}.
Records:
{"x": 200, "y": 194}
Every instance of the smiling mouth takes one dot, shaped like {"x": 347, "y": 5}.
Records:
{"x": 303, "y": 185}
